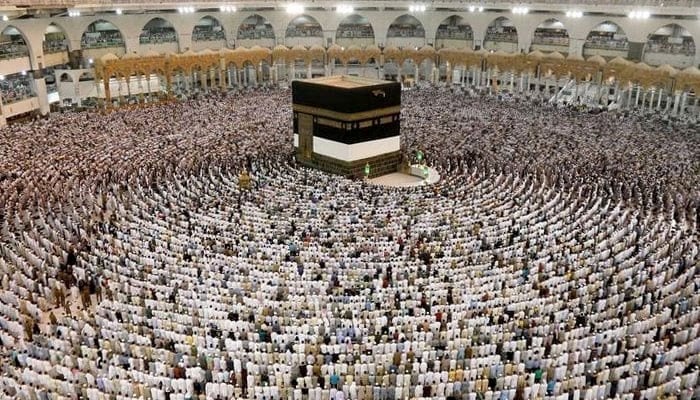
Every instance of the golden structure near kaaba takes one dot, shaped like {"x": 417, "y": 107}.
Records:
{"x": 244, "y": 180}
{"x": 347, "y": 125}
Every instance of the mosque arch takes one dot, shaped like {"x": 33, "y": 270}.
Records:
{"x": 501, "y": 35}
{"x": 14, "y": 42}
{"x": 670, "y": 44}
{"x": 607, "y": 39}
{"x": 255, "y": 27}
{"x": 356, "y": 30}
{"x": 454, "y": 32}
{"x": 208, "y": 29}
{"x": 304, "y": 26}
{"x": 65, "y": 77}
{"x": 406, "y": 31}
{"x": 55, "y": 39}
{"x": 101, "y": 34}
{"x": 551, "y": 35}
{"x": 304, "y": 30}
{"x": 158, "y": 30}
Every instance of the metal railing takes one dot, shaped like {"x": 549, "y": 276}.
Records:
{"x": 9, "y": 51}
{"x": 202, "y": 36}
{"x": 107, "y": 3}
{"x": 608, "y": 45}
{"x": 551, "y": 40}
{"x": 101, "y": 44}
{"x": 54, "y": 47}
{"x": 158, "y": 38}
{"x": 14, "y": 95}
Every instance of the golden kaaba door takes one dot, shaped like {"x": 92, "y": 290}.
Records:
{"x": 306, "y": 135}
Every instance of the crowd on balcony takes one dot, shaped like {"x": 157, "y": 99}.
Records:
{"x": 54, "y": 44}
{"x": 101, "y": 39}
{"x": 667, "y": 45}
{"x": 16, "y": 87}
{"x": 254, "y": 31}
{"x": 304, "y": 30}
{"x": 13, "y": 49}
{"x": 506, "y": 34}
{"x": 458, "y": 32}
{"x": 556, "y": 37}
{"x": 360, "y": 31}
{"x": 208, "y": 33}
{"x": 158, "y": 35}
{"x": 606, "y": 41}
{"x": 409, "y": 30}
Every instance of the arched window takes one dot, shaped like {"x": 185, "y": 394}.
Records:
{"x": 208, "y": 29}
{"x": 454, "y": 32}
{"x": 101, "y": 34}
{"x": 12, "y": 44}
{"x": 54, "y": 39}
{"x": 158, "y": 31}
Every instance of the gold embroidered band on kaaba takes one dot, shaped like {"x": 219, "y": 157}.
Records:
{"x": 381, "y": 112}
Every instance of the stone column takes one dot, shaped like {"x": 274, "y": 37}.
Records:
{"x": 658, "y": 103}
{"x": 128, "y": 88}
{"x": 521, "y": 83}
{"x": 39, "y": 86}
{"x": 140, "y": 86}
{"x": 203, "y": 80}
{"x": 576, "y": 46}
{"x": 108, "y": 94}
{"x": 629, "y": 97}
{"x": 3, "y": 121}
{"x": 308, "y": 71}
{"x": 148, "y": 87}
{"x": 168, "y": 85}
{"x": 222, "y": 78}
{"x": 636, "y": 97}
{"x": 651, "y": 100}
{"x": 684, "y": 102}
{"x": 528, "y": 78}
{"x": 676, "y": 102}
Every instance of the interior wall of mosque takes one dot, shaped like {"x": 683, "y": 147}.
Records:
{"x": 131, "y": 25}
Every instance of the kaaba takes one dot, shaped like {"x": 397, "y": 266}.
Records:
{"x": 343, "y": 124}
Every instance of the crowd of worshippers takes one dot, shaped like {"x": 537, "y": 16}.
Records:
{"x": 557, "y": 258}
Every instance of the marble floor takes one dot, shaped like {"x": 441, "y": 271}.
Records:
{"x": 398, "y": 179}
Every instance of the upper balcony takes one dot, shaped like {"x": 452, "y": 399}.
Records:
{"x": 97, "y": 4}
